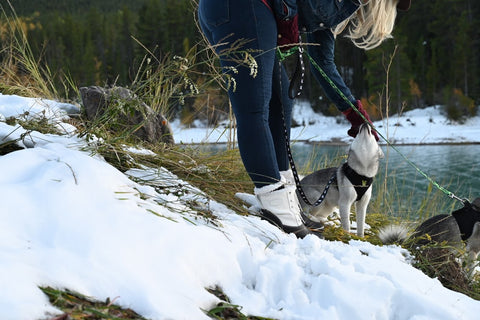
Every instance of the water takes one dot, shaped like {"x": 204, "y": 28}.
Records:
{"x": 405, "y": 191}
{"x": 453, "y": 167}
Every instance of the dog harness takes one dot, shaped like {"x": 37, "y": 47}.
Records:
{"x": 360, "y": 183}
{"x": 466, "y": 218}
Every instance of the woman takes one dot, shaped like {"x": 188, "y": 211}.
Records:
{"x": 258, "y": 101}
{"x": 371, "y": 23}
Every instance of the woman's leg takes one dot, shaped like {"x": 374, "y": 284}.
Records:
{"x": 280, "y": 104}
{"x": 251, "y": 22}
{"x": 260, "y": 131}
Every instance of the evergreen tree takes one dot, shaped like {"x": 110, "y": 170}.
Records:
{"x": 151, "y": 25}
{"x": 438, "y": 45}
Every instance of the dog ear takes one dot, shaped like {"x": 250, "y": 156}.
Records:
{"x": 476, "y": 204}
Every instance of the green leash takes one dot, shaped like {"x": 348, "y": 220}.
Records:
{"x": 283, "y": 55}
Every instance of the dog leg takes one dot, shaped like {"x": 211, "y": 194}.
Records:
{"x": 361, "y": 211}
{"x": 346, "y": 199}
{"x": 344, "y": 209}
{"x": 473, "y": 248}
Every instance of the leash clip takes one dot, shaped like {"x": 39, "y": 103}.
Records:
{"x": 464, "y": 201}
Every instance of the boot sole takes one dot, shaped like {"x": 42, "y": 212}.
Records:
{"x": 314, "y": 226}
{"x": 300, "y": 231}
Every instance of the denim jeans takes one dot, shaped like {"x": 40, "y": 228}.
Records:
{"x": 256, "y": 100}
{"x": 323, "y": 54}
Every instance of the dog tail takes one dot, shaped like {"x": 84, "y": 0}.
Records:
{"x": 393, "y": 234}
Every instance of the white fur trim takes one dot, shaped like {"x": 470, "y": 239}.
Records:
{"x": 270, "y": 187}
{"x": 288, "y": 175}
{"x": 283, "y": 203}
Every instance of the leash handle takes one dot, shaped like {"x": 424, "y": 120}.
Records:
{"x": 296, "y": 83}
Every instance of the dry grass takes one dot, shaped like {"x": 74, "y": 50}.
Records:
{"x": 78, "y": 306}
{"x": 22, "y": 73}
{"x": 442, "y": 262}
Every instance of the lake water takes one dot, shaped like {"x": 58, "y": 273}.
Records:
{"x": 405, "y": 190}
{"x": 399, "y": 189}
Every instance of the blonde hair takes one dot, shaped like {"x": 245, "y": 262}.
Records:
{"x": 371, "y": 24}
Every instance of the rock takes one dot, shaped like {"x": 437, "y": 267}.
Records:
{"x": 131, "y": 111}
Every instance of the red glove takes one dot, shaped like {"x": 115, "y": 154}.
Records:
{"x": 356, "y": 120}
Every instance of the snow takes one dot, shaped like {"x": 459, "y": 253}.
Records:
{"x": 71, "y": 220}
{"x": 419, "y": 126}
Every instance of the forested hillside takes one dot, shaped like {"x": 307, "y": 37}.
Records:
{"x": 28, "y": 7}
{"x": 433, "y": 58}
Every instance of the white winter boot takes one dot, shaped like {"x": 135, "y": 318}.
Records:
{"x": 312, "y": 224}
{"x": 280, "y": 207}
{"x": 288, "y": 176}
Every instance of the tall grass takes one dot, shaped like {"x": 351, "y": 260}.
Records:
{"x": 22, "y": 73}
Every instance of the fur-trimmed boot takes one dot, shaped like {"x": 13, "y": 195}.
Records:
{"x": 315, "y": 226}
{"x": 281, "y": 208}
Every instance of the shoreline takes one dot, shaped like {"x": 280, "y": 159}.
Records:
{"x": 337, "y": 143}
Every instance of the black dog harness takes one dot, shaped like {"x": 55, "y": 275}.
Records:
{"x": 466, "y": 218}
{"x": 360, "y": 183}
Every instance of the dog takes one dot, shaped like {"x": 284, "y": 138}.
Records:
{"x": 350, "y": 183}
{"x": 459, "y": 231}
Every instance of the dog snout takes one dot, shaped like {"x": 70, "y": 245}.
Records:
{"x": 365, "y": 126}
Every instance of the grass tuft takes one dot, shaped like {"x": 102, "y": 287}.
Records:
{"x": 438, "y": 260}
{"x": 80, "y": 307}
{"x": 226, "y": 310}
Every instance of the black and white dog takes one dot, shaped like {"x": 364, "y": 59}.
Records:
{"x": 350, "y": 183}
{"x": 459, "y": 230}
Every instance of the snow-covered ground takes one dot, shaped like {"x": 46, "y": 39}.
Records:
{"x": 70, "y": 220}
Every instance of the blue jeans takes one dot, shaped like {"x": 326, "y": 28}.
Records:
{"x": 256, "y": 100}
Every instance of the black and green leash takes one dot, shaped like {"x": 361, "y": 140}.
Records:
{"x": 294, "y": 90}
{"x": 282, "y": 55}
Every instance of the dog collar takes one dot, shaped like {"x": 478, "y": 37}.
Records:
{"x": 360, "y": 183}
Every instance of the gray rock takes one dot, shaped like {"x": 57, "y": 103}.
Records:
{"x": 132, "y": 112}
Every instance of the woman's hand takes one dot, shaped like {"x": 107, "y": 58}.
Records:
{"x": 356, "y": 120}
